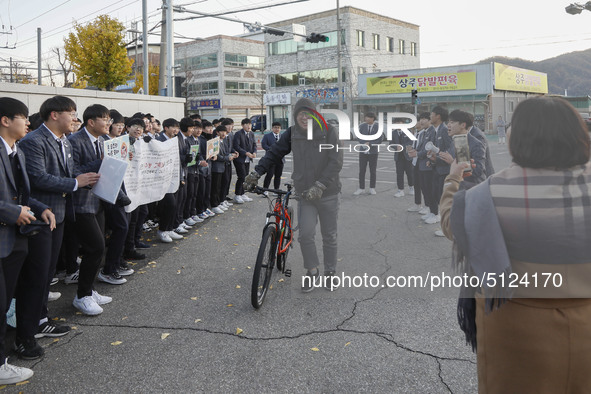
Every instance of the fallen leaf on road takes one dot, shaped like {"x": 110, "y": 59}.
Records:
{"x": 74, "y": 328}
{"x": 347, "y": 344}
{"x": 341, "y": 259}
{"x": 233, "y": 269}
{"x": 230, "y": 305}
{"x": 248, "y": 267}
{"x": 235, "y": 244}
{"x": 21, "y": 383}
{"x": 78, "y": 313}
{"x": 124, "y": 317}
{"x": 178, "y": 272}
{"x": 237, "y": 286}
{"x": 197, "y": 320}
{"x": 116, "y": 343}
{"x": 152, "y": 262}
{"x": 194, "y": 298}
{"x": 281, "y": 280}
{"x": 238, "y": 331}
{"x": 164, "y": 335}
{"x": 314, "y": 349}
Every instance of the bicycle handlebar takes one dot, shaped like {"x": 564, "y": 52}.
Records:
{"x": 261, "y": 190}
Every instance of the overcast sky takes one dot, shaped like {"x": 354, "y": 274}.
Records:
{"x": 451, "y": 32}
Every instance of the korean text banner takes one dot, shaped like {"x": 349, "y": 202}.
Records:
{"x": 519, "y": 79}
{"x": 429, "y": 82}
{"x": 153, "y": 172}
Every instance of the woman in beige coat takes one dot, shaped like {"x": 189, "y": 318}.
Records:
{"x": 527, "y": 232}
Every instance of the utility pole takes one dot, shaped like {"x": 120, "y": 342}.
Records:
{"x": 169, "y": 50}
{"x": 135, "y": 65}
{"x": 39, "y": 56}
{"x": 339, "y": 65}
{"x": 11, "y": 79}
{"x": 145, "y": 46}
{"x": 163, "y": 57}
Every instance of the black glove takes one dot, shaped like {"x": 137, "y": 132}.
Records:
{"x": 250, "y": 182}
{"x": 147, "y": 138}
{"x": 315, "y": 192}
{"x": 123, "y": 201}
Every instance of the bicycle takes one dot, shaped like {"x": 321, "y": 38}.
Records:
{"x": 275, "y": 243}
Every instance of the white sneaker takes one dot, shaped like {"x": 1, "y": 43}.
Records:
{"x": 399, "y": 193}
{"x": 224, "y": 206}
{"x": 427, "y": 216}
{"x": 185, "y": 226}
{"x": 53, "y": 295}
{"x": 228, "y": 203}
{"x": 217, "y": 210}
{"x": 433, "y": 219}
{"x": 411, "y": 190}
{"x": 372, "y": 191}
{"x": 190, "y": 222}
{"x": 72, "y": 278}
{"x": 180, "y": 230}
{"x": 439, "y": 233}
{"x": 238, "y": 199}
{"x": 174, "y": 236}
{"x": 209, "y": 212}
{"x": 164, "y": 237}
{"x": 11, "y": 374}
{"x": 87, "y": 305}
{"x": 415, "y": 208}
{"x": 424, "y": 211}
{"x": 358, "y": 192}
{"x": 101, "y": 299}
{"x": 265, "y": 194}
{"x": 196, "y": 219}
{"x": 246, "y": 198}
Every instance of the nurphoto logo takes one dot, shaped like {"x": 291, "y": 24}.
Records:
{"x": 394, "y": 121}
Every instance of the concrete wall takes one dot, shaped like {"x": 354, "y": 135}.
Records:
{"x": 126, "y": 103}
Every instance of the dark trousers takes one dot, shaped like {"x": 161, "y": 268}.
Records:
{"x": 134, "y": 231}
{"x": 241, "y": 172}
{"x": 403, "y": 166}
{"x": 438, "y": 181}
{"x": 364, "y": 160}
{"x": 180, "y": 197}
{"x": 417, "y": 184}
{"x": 10, "y": 268}
{"x": 216, "y": 188}
{"x": 115, "y": 219}
{"x": 192, "y": 186}
{"x": 426, "y": 180}
{"x": 91, "y": 235}
{"x": 69, "y": 250}
{"x": 274, "y": 172}
{"x": 167, "y": 208}
{"x": 227, "y": 180}
{"x": 34, "y": 280}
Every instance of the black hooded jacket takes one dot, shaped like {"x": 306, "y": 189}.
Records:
{"x": 310, "y": 163}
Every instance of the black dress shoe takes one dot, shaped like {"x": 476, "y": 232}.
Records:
{"x": 134, "y": 255}
{"x": 142, "y": 245}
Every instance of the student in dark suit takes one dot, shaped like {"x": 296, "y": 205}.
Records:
{"x": 15, "y": 213}
{"x": 403, "y": 163}
{"x": 227, "y": 178}
{"x": 243, "y": 143}
{"x": 87, "y": 152}
{"x": 218, "y": 167}
{"x": 167, "y": 205}
{"x": 267, "y": 142}
{"x": 443, "y": 141}
{"x": 50, "y": 170}
{"x": 183, "y": 223}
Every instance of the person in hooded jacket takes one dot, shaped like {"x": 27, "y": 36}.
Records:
{"x": 316, "y": 180}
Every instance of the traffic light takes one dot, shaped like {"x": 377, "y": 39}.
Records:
{"x": 315, "y": 38}
{"x": 414, "y": 96}
{"x": 274, "y": 32}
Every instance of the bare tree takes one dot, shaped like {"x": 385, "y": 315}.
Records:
{"x": 51, "y": 80}
{"x": 64, "y": 64}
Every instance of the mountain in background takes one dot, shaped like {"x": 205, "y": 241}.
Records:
{"x": 570, "y": 71}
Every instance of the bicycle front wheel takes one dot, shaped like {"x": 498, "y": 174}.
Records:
{"x": 264, "y": 267}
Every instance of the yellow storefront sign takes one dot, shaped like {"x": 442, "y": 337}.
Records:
{"x": 519, "y": 79}
{"x": 431, "y": 82}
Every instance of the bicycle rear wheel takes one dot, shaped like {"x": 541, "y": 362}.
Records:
{"x": 263, "y": 268}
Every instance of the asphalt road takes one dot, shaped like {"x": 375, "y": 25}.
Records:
{"x": 184, "y": 323}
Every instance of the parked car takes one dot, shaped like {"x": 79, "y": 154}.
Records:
{"x": 259, "y": 122}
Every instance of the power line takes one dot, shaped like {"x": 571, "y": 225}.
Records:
{"x": 43, "y": 14}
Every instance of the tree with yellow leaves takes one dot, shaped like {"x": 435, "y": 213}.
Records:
{"x": 97, "y": 53}
{"x": 153, "y": 75}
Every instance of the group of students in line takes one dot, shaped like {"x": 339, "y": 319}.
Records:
{"x": 426, "y": 160}
{"x": 49, "y": 215}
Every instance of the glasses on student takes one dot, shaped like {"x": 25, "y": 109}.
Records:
{"x": 20, "y": 117}
{"x": 74, "y": 115}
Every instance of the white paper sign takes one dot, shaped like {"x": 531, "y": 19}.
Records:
{"x": 108, "y": 186}
{"x": 117, "y": 148}
{"x": 153, "y": 172}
